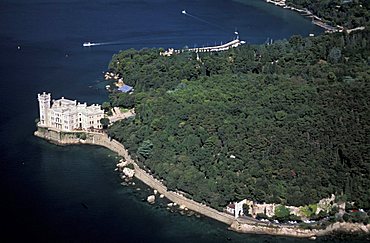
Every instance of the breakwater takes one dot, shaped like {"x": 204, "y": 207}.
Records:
{"x": 240, "y": 224}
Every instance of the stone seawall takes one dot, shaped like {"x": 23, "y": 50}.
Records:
{"x": 101, "y": 139}
{"x": 337, "y": 227}
{"x": 181, "y": 200}
{"x": 239, "y": 225}
{"x": 275, "y": 230}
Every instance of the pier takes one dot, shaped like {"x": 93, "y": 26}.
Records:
{"x": 324, "y": 25}
{"x": 222, "y": 47}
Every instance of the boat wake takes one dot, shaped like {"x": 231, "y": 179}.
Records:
{"x": 90, "y": 44}
{"x": 184, "y": 12}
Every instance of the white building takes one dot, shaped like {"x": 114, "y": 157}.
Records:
{"x": 236, "y": 208}
{"x": 68, "y": 115}
{"x": 230, "y": 208}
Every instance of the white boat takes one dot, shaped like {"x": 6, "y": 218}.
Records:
{"x": 86, "y": 44}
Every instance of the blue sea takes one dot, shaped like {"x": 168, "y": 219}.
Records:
{"x": 72, "y": 194}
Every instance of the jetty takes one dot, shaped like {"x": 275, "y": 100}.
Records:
{"x": 223, "y": 47}
{"x": 324, "y": 25}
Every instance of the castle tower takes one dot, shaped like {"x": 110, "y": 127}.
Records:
{"x": 44, "y": 106}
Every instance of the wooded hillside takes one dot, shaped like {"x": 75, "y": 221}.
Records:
{"x": 347, "y": 13}
{"x": 285, "y": 123}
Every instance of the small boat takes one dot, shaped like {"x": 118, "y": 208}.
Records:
{"x": 87, "y": 44}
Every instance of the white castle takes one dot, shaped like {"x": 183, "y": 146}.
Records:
{"x": 68, "y": 115}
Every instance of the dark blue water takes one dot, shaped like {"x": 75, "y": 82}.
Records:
{"x": 51, "y": 193}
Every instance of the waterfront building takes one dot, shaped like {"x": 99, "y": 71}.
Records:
{"x": 68, "y": 115}
{"x": 125, "y": 88}
{"x": 230, "y": 208}
{"x": 235, "y": 209}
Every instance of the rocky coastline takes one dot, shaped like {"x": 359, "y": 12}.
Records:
{"x": 315, "y": 19}
{"x": 236, "y": 224}
{"x": 338, "y": 227}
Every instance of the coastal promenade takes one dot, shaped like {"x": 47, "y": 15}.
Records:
{"x": 102, "y": 139}
{"x": 243, "y": 225}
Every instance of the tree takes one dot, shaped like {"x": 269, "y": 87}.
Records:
{"x": 81, "y": 135}
{"x": 309, "y": 210}
{"x": 280, "y": 115}
{"x": 334, "y": 55}
{"x": 105, "y": 122}
{"x": 106, "y": 106}
{"x": 246, "y": 209}
{"x": 282, "y": 213}
{"x": 145, "y": 148}
{"x": 290, "y": 134}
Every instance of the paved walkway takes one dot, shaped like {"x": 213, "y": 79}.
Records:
{"x": 117, "y": 114}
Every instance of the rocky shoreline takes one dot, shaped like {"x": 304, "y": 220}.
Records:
{"x": 239, "y": 225}
{"x": 306, "y": 13}
{"x": 338, "y": 227}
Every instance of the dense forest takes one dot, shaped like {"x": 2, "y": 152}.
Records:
{"x": 285, "y": 123}
{"x": 346, "y": 13}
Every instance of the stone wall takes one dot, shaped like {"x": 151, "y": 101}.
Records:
{"x": 180, "y": 199}
{"x": 302, "y": 233}
{"x": 48, "y": 134}
{"x": 272, "y": 230}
